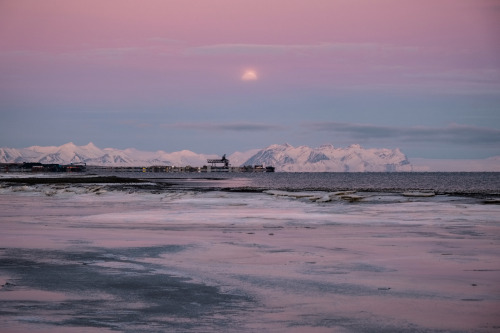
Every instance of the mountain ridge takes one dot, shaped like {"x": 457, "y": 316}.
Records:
{"x": 327, "y": 158}
{"x": 284, "y": 157}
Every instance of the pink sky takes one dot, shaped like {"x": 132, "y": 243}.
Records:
{"x": 163, "y": 35}
{"x": 62, "y": 26}
{"x": 109, "y": 55}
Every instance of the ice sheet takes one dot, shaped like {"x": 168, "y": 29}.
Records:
{"x": 247, "y": 261}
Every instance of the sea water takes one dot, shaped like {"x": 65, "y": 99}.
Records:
{"x": 466, "y": 183}
{"x": 306, "y": 197}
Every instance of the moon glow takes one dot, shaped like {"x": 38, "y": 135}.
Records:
{"x": 249, "y": 75}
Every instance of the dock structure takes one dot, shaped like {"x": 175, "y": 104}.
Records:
{"x": 223, "y": 160}
{"x": 215, "y": 164}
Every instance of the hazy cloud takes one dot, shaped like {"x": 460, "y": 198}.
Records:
{"x": 164, "y": 40}
{"x": 453, "y": 133}
{"x": 240, "y": 126}
{"x": 278, "y": 49}
{"x": 135, "y": 123}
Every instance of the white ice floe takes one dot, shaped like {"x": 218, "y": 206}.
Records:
{"x": 352, "y": 197}
{"x": 317, "y": 196}
{"x": 492, "y": 201}
{"x": 296, "y": 195}
{"x": 418, "y": 194}
{"x": 53, "y": 189}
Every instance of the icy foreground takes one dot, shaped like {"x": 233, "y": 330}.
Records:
{"x": 135, "y": 257}
{"x": 282, "y": 157}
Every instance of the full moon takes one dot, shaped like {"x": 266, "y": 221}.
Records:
{"x": 249, "y": 75}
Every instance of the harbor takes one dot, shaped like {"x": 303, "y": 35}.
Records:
{"x": 213, "y": 165}
{"x": 42, "y": 167}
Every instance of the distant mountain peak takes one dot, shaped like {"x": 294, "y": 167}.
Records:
{"x": 90, "y": 145}
{"x": 327, "y": 158}
{"x": 280, "y": 146}
{"x": 68, "y": 145}
{"x": 284, "y": 157}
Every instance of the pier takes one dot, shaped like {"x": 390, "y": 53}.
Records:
{"x": 216, "y": 167}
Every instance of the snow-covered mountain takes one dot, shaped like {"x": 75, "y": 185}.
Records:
{"x": 327, "y": 158}
{"x": 92, "y": 155}
{"x": 283, "y": 157}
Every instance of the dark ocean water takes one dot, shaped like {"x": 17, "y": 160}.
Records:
{"x": 464, "y": 183}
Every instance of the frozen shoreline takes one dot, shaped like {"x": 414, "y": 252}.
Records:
{"x": 251, "y": 262}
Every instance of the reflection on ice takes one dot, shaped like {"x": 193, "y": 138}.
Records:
{"x": 282, "y": 208}
{"x": 167, "y": 258}
{"x": 129, "y": 206}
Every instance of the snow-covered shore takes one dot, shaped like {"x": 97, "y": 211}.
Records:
{"x": 191, "y": 261}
